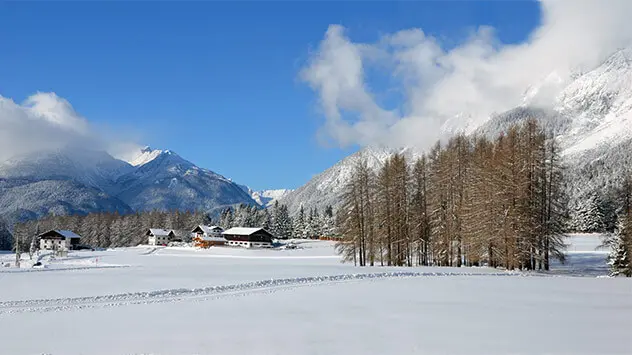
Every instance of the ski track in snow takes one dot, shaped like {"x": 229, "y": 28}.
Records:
{"x": 79, "y": 268}
{"x": 227, "y": 256}
{"x": 151, "y": 251}
{"x": 212, "y": 292}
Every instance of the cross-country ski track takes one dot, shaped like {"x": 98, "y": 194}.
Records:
{"x": 211, "y": 292}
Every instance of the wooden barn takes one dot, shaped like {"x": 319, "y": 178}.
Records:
{"x": 200, "y": 241}
{"x": 249, "y": 237}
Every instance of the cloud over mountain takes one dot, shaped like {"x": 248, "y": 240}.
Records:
{"x": 458, "y": 88}
{"x": 45, "y": 121}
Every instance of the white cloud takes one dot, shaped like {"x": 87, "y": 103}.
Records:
{"x": 336, "y": 72}
{"x": 56, "y": 110}
{"x": 459, "y": 88}
{"x": 45, "y": 121}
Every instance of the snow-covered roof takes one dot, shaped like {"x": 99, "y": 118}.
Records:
{"x": 241, "y": 231}
{"x": 64, "y": 233}
{"x": 68, "y": 234}
{"x": 157, "y": 231}
{"x": 180, "y": 232}
{"x": 208, "y": 229}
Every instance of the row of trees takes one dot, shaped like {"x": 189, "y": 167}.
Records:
{"x": 114, "y": 230}
{"x": 6, "y": 239}
{"x": 110, "y": 229}
{"x": 620, "y": 242}
{"x": 277, "y": 220}
{"x": 473, "y": 201}
{"x": 595, "y": 214}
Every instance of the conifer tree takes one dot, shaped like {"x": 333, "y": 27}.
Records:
{"x": 6, "y": 239}
{"x": 267, "y": 220}
{"x": 282, "y": 222}
{"x": 299, "y": 224}
{"x": 274, "y": 224}
{"x": 315, "y": 224}
{"x": 227, "y": 218}
{"x": 329, "y": 222}
{"x": 589, "y": 216}
{"x": 620, "y": 256}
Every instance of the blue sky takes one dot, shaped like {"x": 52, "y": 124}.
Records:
{"x": 217, "y": 82}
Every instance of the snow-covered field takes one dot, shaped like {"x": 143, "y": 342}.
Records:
{"x": 231, "y": 301}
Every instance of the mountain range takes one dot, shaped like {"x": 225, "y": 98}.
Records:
{"x": 591, "y": 117}
{"x": 79, "y": 181}
{"x": 266, "y": 198}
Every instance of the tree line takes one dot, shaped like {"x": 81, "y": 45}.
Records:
{"x": 107, "y": 230}
{"x": 472, "y": 201}
{"x": 598, "y": 213}
{"x": 277, "y": 220}
{"x": 620, "y": 242}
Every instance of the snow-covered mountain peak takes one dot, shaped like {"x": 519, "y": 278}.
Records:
{"x": 265, "y": 198}
{"x": 163, "y": 179}
{"x": 587, "y": 109}
{"x": 599, "y": 105}
{"x": 146, "y": 155}
{"x": 325, "y": 188}
{"x": 90, "y": 167}
{"x": 542, "y": 93}
{"x": 621, "y": 59}
{"x": 72, "y": 180}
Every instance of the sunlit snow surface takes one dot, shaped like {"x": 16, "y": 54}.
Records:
{"x": 236, "y": 301}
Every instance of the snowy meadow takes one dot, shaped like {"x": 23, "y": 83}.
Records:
{"x": 147, "y": 300}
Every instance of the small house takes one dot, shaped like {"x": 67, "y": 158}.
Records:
{"x": 248, "y": 237}
{"x": 207, "y": 236}
{"x": 59, "y": 240}
{"x": 157, "y": 236}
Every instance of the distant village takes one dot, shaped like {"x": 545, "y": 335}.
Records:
{"x": 207, "y": 236}
{"x": 240, "y": 226}
{"x": 202, "y": 236}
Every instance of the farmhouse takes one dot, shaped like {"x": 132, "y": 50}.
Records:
{"x": 60, "y": 240}
{"x": 207, "y": 236}
{"x": 248, "y": 237}
{"x": 157, "y": 236}
{"x": 208, "y": 231}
